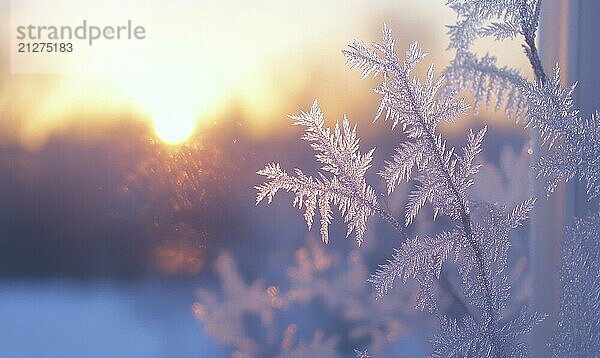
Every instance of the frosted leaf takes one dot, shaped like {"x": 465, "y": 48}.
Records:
{"x": 491, "y": 335}
{"x": 501, "y": 30}
{"x": 467, "y": 338}
{"x": 456, "y": 340}
{"x": 520, "y": 213}
{"x": 479, "y": 237}
{"x": 519, "y": 326}
{"x": 399, "y": 169}
{"x": 499, "y": 18}
{"x": 418, "y": 256}
{"x": 479, "y": 241}
{"x": 573, "y": 141}
{"x": 574, "y": 150}
{"x": 551, "y": 108}
{"x": 417, "y": 108}
{"x": 345, "y": 187}
{"x": 487, "y": 82}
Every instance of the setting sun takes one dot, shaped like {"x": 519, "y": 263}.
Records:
{"x": 174, "y": 127}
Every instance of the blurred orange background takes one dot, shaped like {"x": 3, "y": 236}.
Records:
{"x": 261, "y": 60}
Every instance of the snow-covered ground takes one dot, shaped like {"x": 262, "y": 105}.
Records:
{"x": 56, "y": 318}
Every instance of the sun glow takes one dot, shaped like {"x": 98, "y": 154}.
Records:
{"x": 173, "y": 103}
{"x": 189, "y": 74}
{"x": 174, "y": 127}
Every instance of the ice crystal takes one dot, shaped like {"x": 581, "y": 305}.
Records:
{"x": 575, "y": 140}
{"x": 346, "y": 187}
{"x": 488, "y": 83}
{"x": 479, "y": 239}
{"x": 416, "y": 257}
{"x": 501, "y": 19}
{"x": 572, "y": 147}
{"x": 492, "y": 335}
{"x": 482, "y": 268}
{"x": 443, "y": 177}
{"x": 572, "y": 141}
{"x": 578, "y": 331}
{"x": 479, "y": 242}
{"x": 468, "y": 340}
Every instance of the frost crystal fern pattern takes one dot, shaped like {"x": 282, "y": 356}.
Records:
{"x": 578, "y": 332}
{"x": 479, "y": 239}
{"x": 572, "y": 147}
{"x": 572, "y": 141}
{"x": 500, "y": 19}
{"x": 345, "y": 186}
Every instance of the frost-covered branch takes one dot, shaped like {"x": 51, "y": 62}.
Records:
{"x": 413, "y": 105}
{"x": 488, "y": 83}
{"x": 346, "y": 187}
{"x": 478, "y": 240}
{"x": 544, "y": 103}
{"x": 572, "y": 146}
{"x": 442, "y": 177}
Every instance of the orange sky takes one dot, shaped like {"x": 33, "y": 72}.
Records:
{"x": 267, "y": 58}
